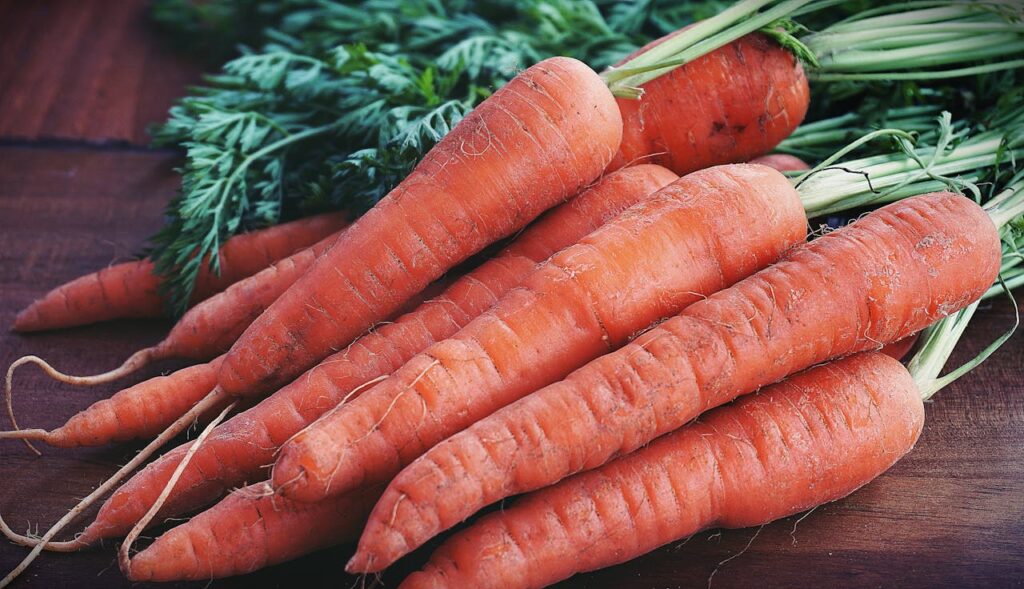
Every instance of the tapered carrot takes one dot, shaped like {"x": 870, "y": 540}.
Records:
{"x": 531, "y": 145}
{"x": 251, "y": 439}
{"x": 813, "y": 438}
{"x": 248, "y": 530}
{"x": 888, "y": 275}
{"x": 700, "y": 234}
{"x": 132, "y": 289}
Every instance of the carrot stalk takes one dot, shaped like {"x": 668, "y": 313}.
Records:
{"x": 933, "y": 255}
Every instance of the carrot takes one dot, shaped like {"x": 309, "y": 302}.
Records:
{"x": 208, "y": 329}
{"x": 701, "y": 233}
{"x": 248, "y": 530}
{"x": 782, "y": 162}
{"x": 251, "y": 439}
{"x": 740, "y": 101}
{"x": 532, "y": 144}
{"x": 899, "y": 349}
{"x": 814, "y": 438}
{"x": 730, "y": 105}
{"x": 132, "y": 289}
{"x": 140, "y": 411}
{"x": 884, "y": 277}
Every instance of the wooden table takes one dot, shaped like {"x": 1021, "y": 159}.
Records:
{"x": 79, "y": 189}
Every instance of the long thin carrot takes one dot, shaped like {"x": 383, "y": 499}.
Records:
{"x": 814, "y": 438}
{"x": 250, "y": 529}
{"x": 531, "y": 145}
{"x": 211, "y": 327}
{"x": 132, "y": 289}
{"x": 251, "y": 439}
{"x": 886, "y": 276}
{"x": 700, "y": 234}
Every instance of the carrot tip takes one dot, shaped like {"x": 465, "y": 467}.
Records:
{"x": 357, "y": 564}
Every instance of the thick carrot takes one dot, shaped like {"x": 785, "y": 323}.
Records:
{"x": 901, "y": 348}
{"x": 814, "y": 438}
{"x": 782, "y": 162}
{"x": 131, "y": 289}
{"x": 531, "y": 145}
{"x": 886, "y": 276}
{"x": 700, "y": 234}
{"x": 242, "y": 447}
{"x": 248, "y": 530}
{"x": 730, "y": 105}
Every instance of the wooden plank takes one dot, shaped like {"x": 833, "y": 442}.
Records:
{"x": 84, "y": 70}
{"x": 948, "y": 515}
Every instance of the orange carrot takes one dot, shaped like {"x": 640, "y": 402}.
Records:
{"x": 208, "y": 329}
{"x": 140, "y": 411}
{"x": 739, "y": 101}
{"x": 730, "y": 105}
{"x": 248, "y": 530}
{"x": 700, "y": 234}
{"x": 886, "y": 276}
{"x": 531, "y": 145}
{"x": 901, "y": 348}
{"x": 251, "y": 439}
{"x": 814, "y": 438}
{"x": 782, "y": 162}
{"x": 131, "y": 289}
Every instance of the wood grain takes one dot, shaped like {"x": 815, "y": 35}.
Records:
{"x": 949, "y": 515}
{"x": 86, "y": 70}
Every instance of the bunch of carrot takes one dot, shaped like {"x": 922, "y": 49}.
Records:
{"x": 630, "y": 302}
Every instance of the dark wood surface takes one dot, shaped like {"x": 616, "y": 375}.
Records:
{"x": 949, "y": 514}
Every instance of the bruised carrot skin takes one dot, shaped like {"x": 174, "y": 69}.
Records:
{"x": 251, "y": 439}
{"x": 886, "y": 276}
{"x": 731, "y": 105}
{"x": 782, "y": 162}
{"x": 814, "y": 438}
{"x": 700, "y": 234}
{"x": 249, "y": 530}
{"x": 534, "y": 143}
{"x": 131, "y": 289}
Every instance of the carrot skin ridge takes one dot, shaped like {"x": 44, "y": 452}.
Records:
{"x": 916, "y": 261}
{"x": 702, "y": 233}
{"x": 242, "y": 447}
{"x": 534, "y": 143}
{"x": 131, "y": 289}
{"x": 251, "y": 529}
{"x": 813, "y": 438}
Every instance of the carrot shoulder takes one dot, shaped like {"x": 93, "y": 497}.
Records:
{"x": 814, "y": 438}
{"x": 252, "y": 438}
{"x": 888, "y": 275}
{"x": 131, "y": 289}
{"x": 701, "y": 233}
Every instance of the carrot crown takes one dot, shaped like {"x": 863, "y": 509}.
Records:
{"x": 905, "y": 41}
{"x": 954, "y": 161}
